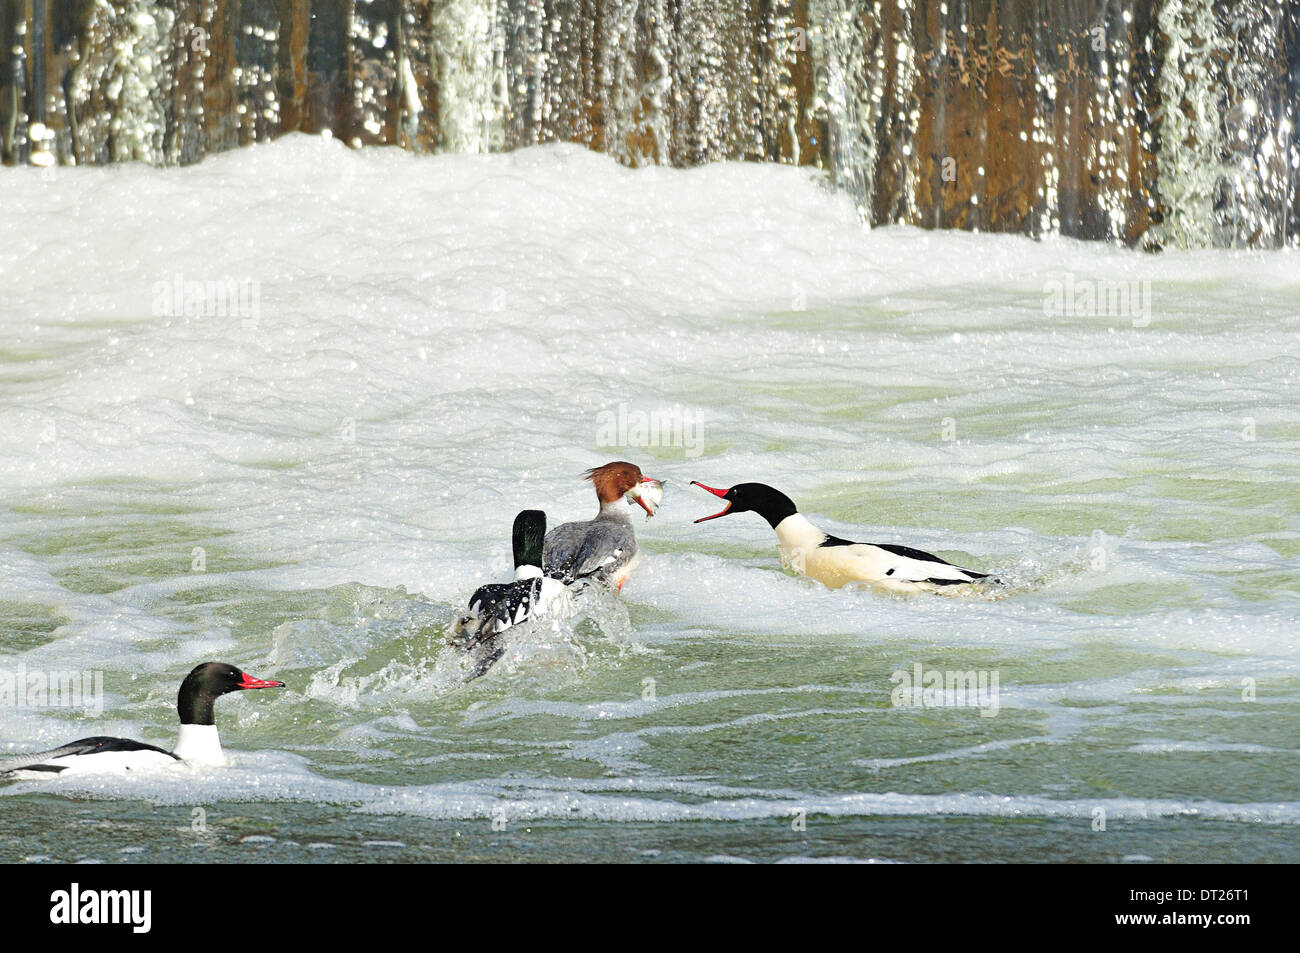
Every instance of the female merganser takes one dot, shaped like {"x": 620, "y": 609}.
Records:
{"x": 834, "y": 561}
{"x": 197, "y": 742}
{"x": 499, "y": 606}
{"x": 603, "y": 548}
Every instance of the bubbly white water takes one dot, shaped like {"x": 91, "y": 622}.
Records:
{"x": 311, "y": 488}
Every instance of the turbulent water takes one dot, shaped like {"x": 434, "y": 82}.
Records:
{"x": 310, "y": 480}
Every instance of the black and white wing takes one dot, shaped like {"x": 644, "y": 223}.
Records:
{"x": 889, "y": 561}
{"x": 493, "y": 609}
{"x": 47, "y": 761}
{"x": 916, "y": 565}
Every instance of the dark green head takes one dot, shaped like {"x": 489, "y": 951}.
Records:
{"x": 208, "y": 682}
{"x": 529, "y": 533}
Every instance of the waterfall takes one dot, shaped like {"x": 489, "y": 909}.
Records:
{"x": 1229, "y": 159}
{"x": 471, "y": 76}
{"x": 849, "y": 98}
{"x": 1167, "y": 123}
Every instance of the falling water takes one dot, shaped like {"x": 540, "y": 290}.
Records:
{"x": 1159, "y": 124}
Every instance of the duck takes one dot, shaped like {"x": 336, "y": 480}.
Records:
{"x": 197, "y": 742}
{"x": 837, "y": 562}
{"x": 498, "y": 607}
{"x": 603, "y": 549}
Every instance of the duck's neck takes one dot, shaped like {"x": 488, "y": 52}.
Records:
{"x": 526, "y": 571}
{"x": 200, "y": 744}
{"x": 795, "y": 532}
{"x": 615, "y": 510}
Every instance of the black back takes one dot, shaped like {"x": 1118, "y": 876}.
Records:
{"x": 910, "y": 553}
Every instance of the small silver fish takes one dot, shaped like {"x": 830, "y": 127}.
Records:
{"x": 648, "y": 494}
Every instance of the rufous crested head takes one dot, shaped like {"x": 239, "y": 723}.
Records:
{"x": 613, "y": 479}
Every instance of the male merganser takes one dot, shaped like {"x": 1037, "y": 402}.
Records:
{"x": 834, "y": 561}
{"x": 603, "y": 548}
{"x": 197, "y": 742}
{"x": 499, "y": 606}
